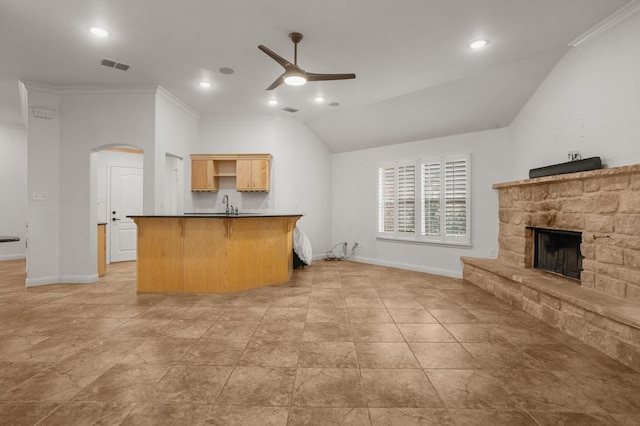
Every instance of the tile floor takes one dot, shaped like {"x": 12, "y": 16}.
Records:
{"x": 341, "y": 343}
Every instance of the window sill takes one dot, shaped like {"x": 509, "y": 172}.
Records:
{"x": 424, "y": 242}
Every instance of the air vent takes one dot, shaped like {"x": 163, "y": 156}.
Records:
{"x": 289, "y": 109}
{"x": 113, "y": 64}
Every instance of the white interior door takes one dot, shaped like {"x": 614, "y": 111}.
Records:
{"x": 126, "y": 199}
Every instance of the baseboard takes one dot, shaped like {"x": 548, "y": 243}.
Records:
{"x": 409, "y": 267}
{"x": 63, "y": 279}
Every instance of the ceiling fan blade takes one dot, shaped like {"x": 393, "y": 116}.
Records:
{"x": 279, "y": 59}
{"x": 276, "y": 83}
{"x": 321, "y": 77}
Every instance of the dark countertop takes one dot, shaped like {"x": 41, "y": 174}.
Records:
{"x": 221, "y": 215}
{"x": 5, "y": 239}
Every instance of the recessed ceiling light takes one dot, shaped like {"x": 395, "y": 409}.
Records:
{"x": 205, "y": 84}
{"x": 319, "y": 99}
{"x": 272, "y": 102}
{"x": 334, "y": 104}
{"x": 99, "y": 32}
{"x": 478, "y": 44}
{"x": 226, "y": 70}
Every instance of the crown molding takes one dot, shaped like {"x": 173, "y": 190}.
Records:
{"x": 606, "y": 24}
{"x": 164, "y": 93}
{"x": 89, "y": 90}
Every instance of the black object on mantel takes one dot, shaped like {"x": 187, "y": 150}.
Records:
{"x": 587, "y": 164}
{"x": 11, "y": 239}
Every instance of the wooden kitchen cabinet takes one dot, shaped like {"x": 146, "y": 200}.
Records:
{"x": 252, "y": 172}
{"x": 202, "y": 175}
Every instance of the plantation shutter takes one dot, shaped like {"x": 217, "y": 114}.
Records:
{"x": 406, "y": 199}
{"x": 386, "y": 199}
{"x": 431, "y": 198}
{"x": 456, "y": 197}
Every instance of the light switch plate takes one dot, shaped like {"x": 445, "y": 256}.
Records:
{"x": 39, "y": 196}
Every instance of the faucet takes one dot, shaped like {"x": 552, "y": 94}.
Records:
{"x": 225, "y": 201}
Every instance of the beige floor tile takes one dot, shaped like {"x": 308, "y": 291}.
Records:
{"x": 491, "y": 417}
{"x": 376, "y": 332}
{"x": 271, "y": 353}
{"x": 399, "y": 388}
{"x": 166, "y": 414}
{"x": 328, "y": 416}
{"x": 581, "y": 419}
{"x": 403, "y": 416}
{"x": 328, "y": 354}
{"x": 327, "y": 332}
{"x": 250, "y": 313}
{"x": 197, "y": 384}
{"x": 24, "y": 413}
{"x": 261, "y": 386}
{"x": 471, "y": 389}
{"x": 507, "y": 356}
{"x": 369, "y": 315}
{"x": 232, "y": 330}
{"x": 284, "y": 314}
{"x": 413, "y": 316}
{"x": 328, "y": 387}
{"x": 475, "y": 333}
{"x": 453, "y": 316}
{"x": 162, "y": 350}
{"x": 88, "y": 413}
{"x": 425, "y": 333}
{"x": 443, "y": 355}
{"x": 291, "y": 330}
{"x": 221, "y": 415}
{"x": 58, "y": 383}
{"x": 124, "y": 383}
{"x": 385, "y": 355}
{"x": 327, "y": 315}
{"x": 542, "y": 391}
{"x": 215, "y": 352}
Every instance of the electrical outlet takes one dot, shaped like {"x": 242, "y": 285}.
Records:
{"x": 492, "y": 253}
{"x": 39, "y": 196}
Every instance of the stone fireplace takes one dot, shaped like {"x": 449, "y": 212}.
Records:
{"x": 598, "y": 301}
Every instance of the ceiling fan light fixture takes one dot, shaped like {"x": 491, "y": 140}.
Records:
{"x": 295, "y": 78}
{"x": 478, "y": 44}
{"x": 99, "y": 32}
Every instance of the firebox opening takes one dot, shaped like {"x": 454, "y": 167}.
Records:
{"x": 558, "y": 251}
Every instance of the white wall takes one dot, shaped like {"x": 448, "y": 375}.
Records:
{"x": 355, "y": 201}
{"x": 176, "y": 134}
{"x": 62, "y": 229}
{"x": 13, "y": 190}
{"x": 590, "y": 102}
{"x": 300, "y": 171}
{"x": 43, "y": 176}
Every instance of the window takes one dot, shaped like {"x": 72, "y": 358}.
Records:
{"x": 426, "y": 200}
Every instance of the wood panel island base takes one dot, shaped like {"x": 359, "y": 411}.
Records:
{"x": 213, "y": 253}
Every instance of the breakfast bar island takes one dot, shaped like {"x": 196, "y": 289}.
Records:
{"x": 213, "y": 253}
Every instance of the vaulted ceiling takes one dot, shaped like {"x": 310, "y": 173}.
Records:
{"x": 416, "y": 76}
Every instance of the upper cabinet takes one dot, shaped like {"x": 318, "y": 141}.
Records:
{"x": 252, "y": 172}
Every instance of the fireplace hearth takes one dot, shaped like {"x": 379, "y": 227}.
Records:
{"x": 558, "y": 251}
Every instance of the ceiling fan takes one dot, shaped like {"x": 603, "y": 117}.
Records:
{"x": 294, "y": 75}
